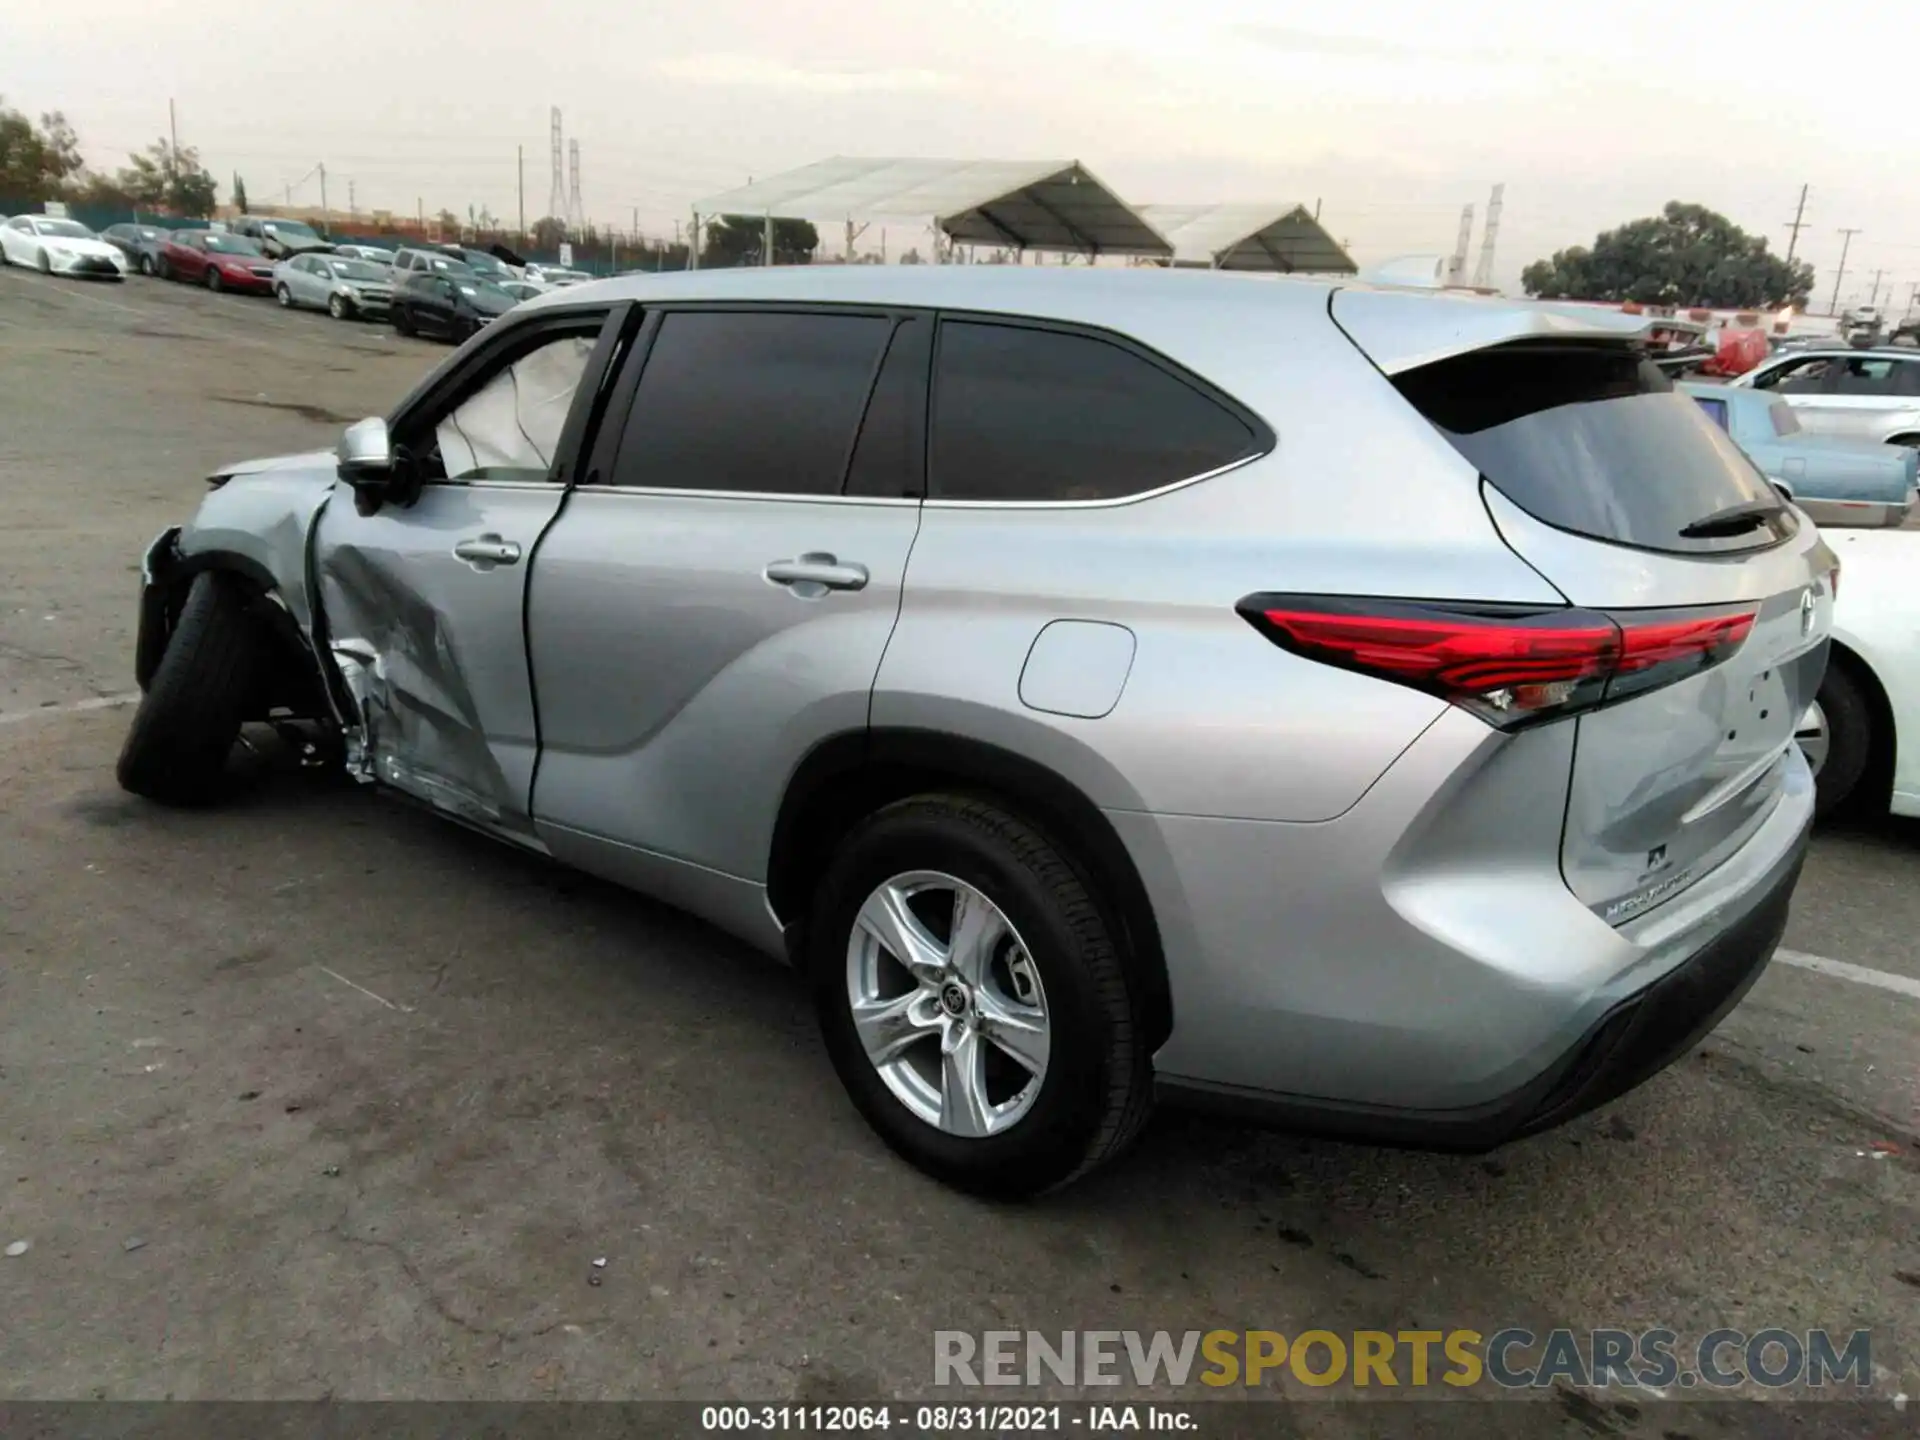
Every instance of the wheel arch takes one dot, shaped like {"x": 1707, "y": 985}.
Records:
{"x": 1884, "y": 742}
{"x": 846, "y": 778}
{"x": 291, "y": 680}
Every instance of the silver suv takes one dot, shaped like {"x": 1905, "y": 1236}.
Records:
{"x": 1366, "y": 708}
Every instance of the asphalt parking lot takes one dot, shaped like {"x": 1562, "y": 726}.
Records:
{"x": 373, "y": 1094}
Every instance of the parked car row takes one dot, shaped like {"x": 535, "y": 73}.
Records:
{"x": 443, "y": 292}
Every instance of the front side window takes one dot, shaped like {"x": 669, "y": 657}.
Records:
{"x": 1026, "y": 414}
{"x": 762, "y": 401}
{"x": 1865, "y": 375}
{"x": 509, "y": 428}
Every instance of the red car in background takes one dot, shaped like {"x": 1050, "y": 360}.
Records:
{"x": 217, "y": 260}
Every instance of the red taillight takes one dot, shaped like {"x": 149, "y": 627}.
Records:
{"x": 1511, "y": 665}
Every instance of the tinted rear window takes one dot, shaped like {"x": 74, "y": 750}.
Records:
{"x": 1038, "y": 415}
{"x": 1595, "y": 440}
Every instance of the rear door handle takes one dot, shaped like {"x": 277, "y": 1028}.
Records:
{"x": 483, "y": 552}
{"x": 815, "y": 573}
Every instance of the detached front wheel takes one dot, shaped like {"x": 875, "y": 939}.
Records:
{"x": 974, "y": 1001}
{"x": 184, "y": 731}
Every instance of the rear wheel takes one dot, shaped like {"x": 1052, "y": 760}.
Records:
{"x": 402, "y": 323}
{"x": 213, "y": 278}
{"x": 176, "y": 751}
{"x": 974, "y": 1000}
{"x": 1836, "y": 735}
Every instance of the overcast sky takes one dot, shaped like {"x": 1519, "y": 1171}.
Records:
{"x": 1392, "y": 115}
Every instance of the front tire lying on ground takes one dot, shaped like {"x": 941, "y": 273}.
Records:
{"x": 974, "y": 1000}
{"x": 184, "y": 731}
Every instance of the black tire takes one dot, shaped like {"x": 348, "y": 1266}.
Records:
{"x": 1098, "y": 1084}
{"x": 213, "y": 279}
{"x": 184, "y": 731}
{"x": 338, "y": 307}
{"x": 46, "y": 264}
{"x": 401, "y": 323}
{"x": 162, "y": 270}
{"x": 146, "y": 265}
{"x": 284, "y": 296}
{"x": 1850, "y": 736}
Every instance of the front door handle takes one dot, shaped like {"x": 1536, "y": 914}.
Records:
{"x": 815, "y": 573}
{"x": 483, "y": 552}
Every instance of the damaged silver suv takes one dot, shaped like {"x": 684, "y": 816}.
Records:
{"x": 1370, "y": 709}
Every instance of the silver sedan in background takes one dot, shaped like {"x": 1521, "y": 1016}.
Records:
{"x": 346, "y": 289}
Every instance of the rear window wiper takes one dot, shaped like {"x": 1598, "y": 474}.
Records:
{"x": 1734, "y": 520}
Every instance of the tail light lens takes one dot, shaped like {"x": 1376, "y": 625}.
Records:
{"x": 1511, "y": 665}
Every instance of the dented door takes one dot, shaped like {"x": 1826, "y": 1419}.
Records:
{"x": 424, "y": 609}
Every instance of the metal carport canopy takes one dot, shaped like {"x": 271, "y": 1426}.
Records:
{"x": 1029, "y": 205}
{"x": 1285, "y": 238}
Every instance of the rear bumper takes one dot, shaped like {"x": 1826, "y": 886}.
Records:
{"x": 1417, "y": 968}
{"x": 1635, "y": 1040}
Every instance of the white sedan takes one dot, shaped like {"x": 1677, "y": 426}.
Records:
{"x": 1862, "y": 735}
{"x": 59, "y": 247}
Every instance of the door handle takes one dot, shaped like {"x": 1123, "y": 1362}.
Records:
{"x": 815, "y": 573}
{"x": 483, "y": 552}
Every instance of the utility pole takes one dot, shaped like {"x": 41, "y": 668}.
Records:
{"x": 324, "y": 218}
{"x": 1913, "y": 296}
{"x": 173, "y": 133}
{"x": 766, "y": 239}
{"x": 353, "y": 213}
{"x": 520, "y": 165}
{"x": 1874, "y": 298}
{"x": 1846, "y": 243}
{"x": 693, "y": 243}
{"x": 1316, "y": 212}
{"x": 1793, "y": 230}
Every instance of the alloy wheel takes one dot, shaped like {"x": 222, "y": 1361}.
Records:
{"x": 948, "y": 1004}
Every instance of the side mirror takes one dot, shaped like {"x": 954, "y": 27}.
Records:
{"x": 365, "y": 454}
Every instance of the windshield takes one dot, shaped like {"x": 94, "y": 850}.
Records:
{"x": 357, "y": 270}
{"x": 293, "y": 228}
{"x": 69, "y": 229}
{"x": 232, "y": 245}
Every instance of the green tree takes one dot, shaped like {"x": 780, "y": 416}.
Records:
{"x": 1686, "y": 255}
{"x": 164, "y": 178}
{"x": 548, "y": 233}
{"x": 739, "y": 240}
{"x": 36, "y": 161}
{"x": 239, "y": 193}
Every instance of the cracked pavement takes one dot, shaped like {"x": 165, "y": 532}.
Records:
{"x": 376, "y": 1092}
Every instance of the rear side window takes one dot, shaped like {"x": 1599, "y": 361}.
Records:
{"x": 1595, "y": 440}
{"x": 889, "y": 459}
{"x": 747, "y": 401}
{"x": 1716, "y": 410}
{"x": 1865, "y": 376}
{"x": 1023, "y": 414}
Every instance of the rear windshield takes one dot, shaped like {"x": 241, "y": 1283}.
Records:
{"x": 1593, "y": 439}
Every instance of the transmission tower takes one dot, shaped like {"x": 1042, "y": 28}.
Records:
{"x": 576, "y": 213}
{"x": 1483, "y": 271}
{"x": 557, "y": 199}
{"x": 1457, "y": 266}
